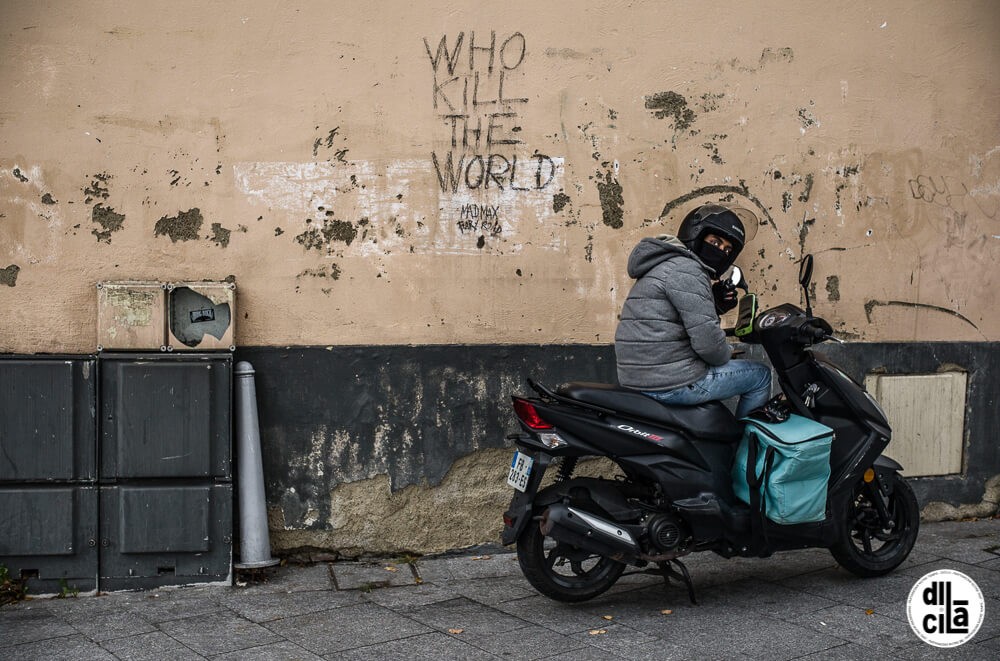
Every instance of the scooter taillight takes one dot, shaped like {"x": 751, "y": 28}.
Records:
{"x": 526, "y": 411}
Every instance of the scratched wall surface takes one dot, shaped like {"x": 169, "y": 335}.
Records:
{"x": 460, "y": 173}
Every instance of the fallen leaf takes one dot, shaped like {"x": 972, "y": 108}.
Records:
{"x": 455, "y": 631}
{"x": 869, "y": 611}
{"x": 480, "y": 557}
{"x": 597, "y": 632}
{"x": 391, "y": 568}
{"x": 666, "y": 611}
{"x": 418, "y": 580}
{"x": 607, "y": 617}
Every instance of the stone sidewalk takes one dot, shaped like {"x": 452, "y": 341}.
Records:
{"x": 796, "y": 605}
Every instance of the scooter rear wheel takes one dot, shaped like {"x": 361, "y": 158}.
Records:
{"x": 563, "y": 572}
{"x": 867, "y": 547}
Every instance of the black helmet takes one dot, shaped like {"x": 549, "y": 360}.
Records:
{"x": 719, "y": 220}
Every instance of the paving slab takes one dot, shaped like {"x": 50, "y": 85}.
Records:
{"x": 264, "y": 607}
{"x": 293, "y": 578}
{"x": 404, "y": 599}
{"x": 166, "y": 605}
{"x": 492, "y": 591}
{"x": 283, "y": 651}
{"x": 370, "y": 575}
{"x": 353, "y": 627}
{"x": 149, "y": 647}
{"x": 620, "y": 639}
{"x": 470, "y": 616}
{"x": 218, "y": 633}
{"x": 108, "y": 625}
{"x": 859, "y": 625}
{"x": 424, "y": 647}
{"x": 531, "y": 642}
{"x": 27, "y": 623}
{"x": 465, "y": 567}
{"x": 68, "y": 648}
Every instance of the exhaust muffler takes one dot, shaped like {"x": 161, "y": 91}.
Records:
{"x": 573, "y": 526}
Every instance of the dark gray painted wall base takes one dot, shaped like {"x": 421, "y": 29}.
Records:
{"x": 335, "y": 415}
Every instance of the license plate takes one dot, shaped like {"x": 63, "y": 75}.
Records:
{"x": 520, "y": 471}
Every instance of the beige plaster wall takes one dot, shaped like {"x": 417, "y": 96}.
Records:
{"x": 293, "y": 146}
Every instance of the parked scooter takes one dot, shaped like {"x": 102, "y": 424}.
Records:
{"x": 679, "y": 465}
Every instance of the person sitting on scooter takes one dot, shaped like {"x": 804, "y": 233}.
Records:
{"x": 669, "y": 343}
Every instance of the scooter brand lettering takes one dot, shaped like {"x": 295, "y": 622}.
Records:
{"x": 639, "y": 432}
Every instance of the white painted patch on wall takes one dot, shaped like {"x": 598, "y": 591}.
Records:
{"x": 465, "y": 222}
{"x": 296, "y": 187}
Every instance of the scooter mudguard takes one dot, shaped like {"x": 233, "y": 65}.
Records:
{"x": 886, "y": 464}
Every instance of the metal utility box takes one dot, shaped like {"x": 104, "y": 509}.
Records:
{"x": 48, "y": 535}
{"x": 131, "y": 316}
{"x": 201, "y": 316}
{"x": 47, "y": 419}
{"x": 165, "y": 534}
{"x": 927, "y": 415}
{"x": 166, "y": 416}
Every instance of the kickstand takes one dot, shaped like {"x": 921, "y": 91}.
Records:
{"x": 669, "y": 572}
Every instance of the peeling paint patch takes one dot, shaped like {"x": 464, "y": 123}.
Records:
{"x": 710, "y": 101}
{"x": 713, "y": 148}
{"x": 804, "y": 196}
{"x": 108, "y": 219}
{"x": 610, "y": 192}
{"x": 833, "y": 288}
{"x": 770, "y": 55}
{"x": 559, "y": 201}
{"x": 673, "y": 106}
{"x": 98, "y": 188}
{"x": 331, "y": 271}
{"x": 806, "y": 118}
{"x": 47, "y": 199}
{"x": 320, "y": 238}
{"x": 19, "y": 175}
{"x": 804, "y": 232}
{"x": 8, "y": 276}
{"x": 220, "y": 235}
{"x": 185, "y": 226}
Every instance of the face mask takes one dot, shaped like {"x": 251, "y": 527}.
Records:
{"x": 715, "y": 259}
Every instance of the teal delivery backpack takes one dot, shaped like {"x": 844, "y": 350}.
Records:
{"x": 783, "y": 468}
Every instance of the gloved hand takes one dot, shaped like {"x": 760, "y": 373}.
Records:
{"x": 725, "y": 296}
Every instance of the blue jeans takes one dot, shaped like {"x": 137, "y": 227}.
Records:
{"x": 747, "y": 378}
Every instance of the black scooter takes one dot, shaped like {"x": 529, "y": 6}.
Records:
{"x": 674, "y": 496}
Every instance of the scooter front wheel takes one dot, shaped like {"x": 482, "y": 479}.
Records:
{"x": 561, "y": 571}
{"x": 873, "y": 543}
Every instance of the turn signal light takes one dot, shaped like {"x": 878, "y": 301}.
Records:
{"x": 526, "y": 411}
{"x": 869, "y": 476}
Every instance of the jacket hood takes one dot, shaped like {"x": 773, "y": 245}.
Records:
{"x": 653, "y": 251}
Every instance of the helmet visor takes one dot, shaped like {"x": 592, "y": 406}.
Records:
{"x": 749, "y": 220}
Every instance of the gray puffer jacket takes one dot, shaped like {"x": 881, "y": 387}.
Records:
{"x": 669, "y": 331}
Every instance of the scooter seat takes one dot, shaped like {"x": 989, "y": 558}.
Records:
{"x": 711, "y": 420}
